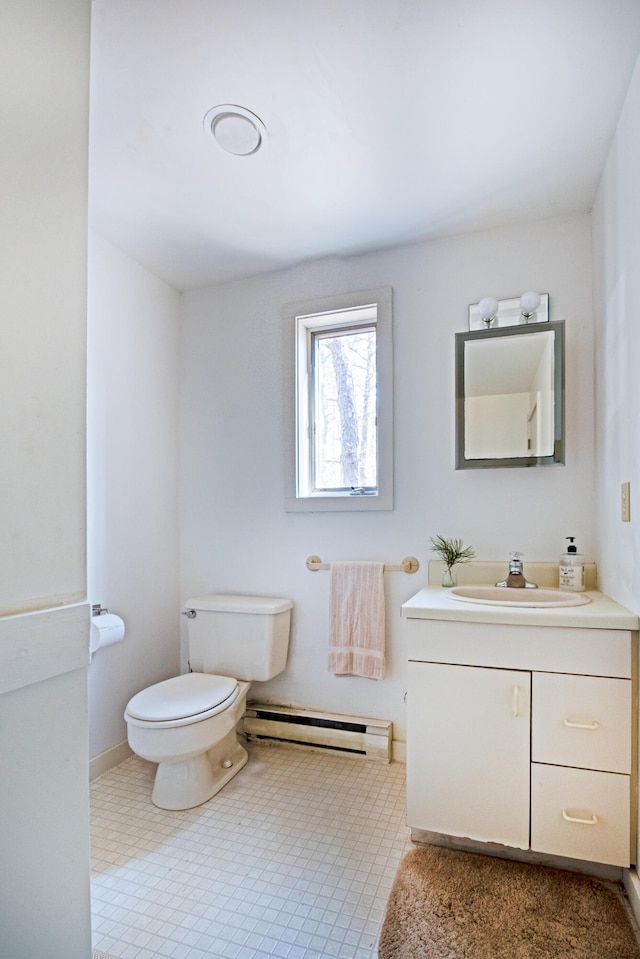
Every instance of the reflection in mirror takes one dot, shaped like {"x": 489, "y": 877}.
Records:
{"x": 510, "y": 397}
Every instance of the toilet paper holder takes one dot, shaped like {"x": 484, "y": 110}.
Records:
{"x": 106, "y": 629}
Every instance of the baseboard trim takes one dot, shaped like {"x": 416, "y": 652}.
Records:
{"x": 108, "y": 759}
{"x": 117, "y": 754}
{"x": 632, "y": 888}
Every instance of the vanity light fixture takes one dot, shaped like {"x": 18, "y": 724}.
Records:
{"x": 235, "y": 129}
{"x": 529, "y": 303}
{"x": 490, "y": 313}
{"x": 487, "y": 308}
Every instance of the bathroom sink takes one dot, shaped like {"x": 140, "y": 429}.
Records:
{"x": 505, "y": 596}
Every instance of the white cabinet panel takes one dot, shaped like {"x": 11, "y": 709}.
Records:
{"x": 581, "y": 814}
{"x": 468, "y": 752}
{"x": 582, "y": 721}
{"x": 589, "y": 652}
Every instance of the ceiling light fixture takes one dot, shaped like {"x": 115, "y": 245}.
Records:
{"x": 236, "y": 130}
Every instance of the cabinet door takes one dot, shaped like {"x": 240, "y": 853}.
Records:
{"x": 468, "y": 752}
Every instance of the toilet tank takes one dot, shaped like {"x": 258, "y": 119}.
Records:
{"x": 246, "y": 637}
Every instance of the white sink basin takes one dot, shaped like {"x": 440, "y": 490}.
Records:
{"x": 508, "y": 596}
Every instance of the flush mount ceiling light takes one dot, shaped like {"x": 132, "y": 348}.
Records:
{"x": 236, "y": 130}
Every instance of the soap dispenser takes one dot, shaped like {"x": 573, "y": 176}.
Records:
{"x": 572, "y": 568}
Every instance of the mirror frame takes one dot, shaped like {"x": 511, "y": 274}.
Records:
{"x": 557, "y": 458}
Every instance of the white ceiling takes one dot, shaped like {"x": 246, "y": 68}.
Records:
{"x": 389, "y": 121}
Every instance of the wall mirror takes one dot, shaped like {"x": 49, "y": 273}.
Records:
{"x": 510, "y": 396}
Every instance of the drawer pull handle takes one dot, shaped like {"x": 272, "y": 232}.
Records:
{"x": 585, "y": 822}
{"x": 516, "y": 701}
{"x": 594, "y": 725}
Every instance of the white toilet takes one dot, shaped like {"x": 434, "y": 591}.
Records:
{"x": 188, "y": 724}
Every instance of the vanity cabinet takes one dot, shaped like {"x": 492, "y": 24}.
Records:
{"x": 520, "y": 735}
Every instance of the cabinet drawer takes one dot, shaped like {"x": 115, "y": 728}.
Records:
{"x": 580, "y": 814}
{"x": 588, "y": 652}
{"x": 582, "y": 721}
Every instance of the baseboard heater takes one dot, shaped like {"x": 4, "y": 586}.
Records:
{"x": 369, "y": 738}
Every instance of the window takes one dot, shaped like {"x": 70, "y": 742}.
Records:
{"x": 339, "y": 426}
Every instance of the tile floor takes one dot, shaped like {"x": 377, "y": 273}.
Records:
{"x": 294, "y": 858}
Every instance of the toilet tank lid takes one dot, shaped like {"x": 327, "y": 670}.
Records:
{"x": 237, "y": 603}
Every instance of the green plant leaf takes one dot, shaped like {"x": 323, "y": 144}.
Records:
{"x": 451, "y": 551}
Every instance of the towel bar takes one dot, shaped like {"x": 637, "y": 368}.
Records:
{"x": 408, "y": 565}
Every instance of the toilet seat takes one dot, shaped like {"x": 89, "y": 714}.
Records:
{"x": 182, "y": 700}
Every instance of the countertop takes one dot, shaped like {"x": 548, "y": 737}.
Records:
{"x": 435, "y": 602}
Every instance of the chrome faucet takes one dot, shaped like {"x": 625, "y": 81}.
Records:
{"x": 516, "y": 579}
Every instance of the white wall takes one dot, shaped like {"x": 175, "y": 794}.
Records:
{"x": 132, "y": 469}
{"x": 616, "y": 243}
{"x": 43, "y": 256}
{"x": 616, "y": 227}
{"x": 236, "y": 535}
{"x": 44, "y": 831}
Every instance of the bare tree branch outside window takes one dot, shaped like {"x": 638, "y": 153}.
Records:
{"x": 345, "y": 409}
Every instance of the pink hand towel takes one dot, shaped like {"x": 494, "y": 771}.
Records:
{"x": 357, "y": 620}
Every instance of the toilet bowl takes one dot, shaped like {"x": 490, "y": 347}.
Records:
{"x": 188, "y": 726}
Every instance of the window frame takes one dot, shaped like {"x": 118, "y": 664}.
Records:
{"x": 324, "y": 313}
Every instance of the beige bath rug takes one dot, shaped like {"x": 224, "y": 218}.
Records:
{"x": 447, "y": 904}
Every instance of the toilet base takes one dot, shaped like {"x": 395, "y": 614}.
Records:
{"x": 191, "y": 782}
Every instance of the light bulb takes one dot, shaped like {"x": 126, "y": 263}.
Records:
{"x": 529, "y": 303}
{"x": 487, "y": 308}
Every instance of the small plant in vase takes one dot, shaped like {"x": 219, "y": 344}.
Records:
{"x": 451, "y": 552}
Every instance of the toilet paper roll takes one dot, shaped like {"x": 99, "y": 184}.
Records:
{"x": 105, "y": 630}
